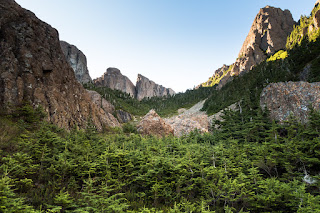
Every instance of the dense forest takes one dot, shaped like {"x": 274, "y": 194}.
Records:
{"x": 248, "y": 163}
{"x": 165, "y": 106}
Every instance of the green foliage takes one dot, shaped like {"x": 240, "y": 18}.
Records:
{"x": 214, "y": 80}
{"x": 281, "y": 54}
{"x": 129, "y": 128}
{"x": 164, "y": 106}
{"x": 249, "y": 165}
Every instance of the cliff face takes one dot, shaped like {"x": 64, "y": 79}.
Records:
{"x": 77, "y": 60}
{"x": 115, "y": 80}
{"x": 146, "y": 88}
{"x": 34, "y": 69}
{"x": 267, "y": 35}
{"x": 283, "y": 99}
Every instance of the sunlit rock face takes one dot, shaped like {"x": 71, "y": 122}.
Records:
{"x": 34, "y": 70}
{"x": 290, "y": 98}
{"x": 77, "y": 60}
{"x": 267, "y": 35}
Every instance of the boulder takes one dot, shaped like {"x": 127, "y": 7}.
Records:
{"x": 77, "y": 60}
{"x": 153, "y": 124}
{"x": 285, "y": 98}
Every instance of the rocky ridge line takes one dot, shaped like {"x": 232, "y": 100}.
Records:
{"x": 144, "y": 88}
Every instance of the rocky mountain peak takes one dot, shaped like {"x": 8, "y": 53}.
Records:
{"x": 267, "y": 35}
{"x": 113, "y": 79}
{"x": 113, "y": 71}
{"x": 146, "y": 88}
{"x": 77, "y": 60}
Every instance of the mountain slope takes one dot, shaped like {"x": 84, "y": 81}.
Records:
{"x": 267, "y": 35}
{"x": 34, "y": 71}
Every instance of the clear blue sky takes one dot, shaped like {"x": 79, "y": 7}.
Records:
{"x": 176, "y": 43}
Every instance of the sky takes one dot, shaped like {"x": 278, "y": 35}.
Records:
{"x": 176, "y": 43}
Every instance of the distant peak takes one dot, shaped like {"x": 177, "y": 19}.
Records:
{"x": 113, "y": 71}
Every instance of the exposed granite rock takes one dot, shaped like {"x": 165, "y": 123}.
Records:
{"x": 189, "y": 120}
{"x": 283, "y": 99}
{"x": 153, "y": 124}
{"x": 146, "y": 88}
{"x": 34, "y": 69}
{"x": 123, "y": 116}
{"x": 267, "y": 35}
{"x": 77, "y": 60}
{"x": 115, "y": 80}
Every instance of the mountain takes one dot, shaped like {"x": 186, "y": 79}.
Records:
{"x": 77, "y": 60}
{"x": 246, "y": 162}
{"x": 113, "y": 79}
{"x": 144, "y": 88}
{"x": 267, "y": 35}
{"x": 34, "y": 71}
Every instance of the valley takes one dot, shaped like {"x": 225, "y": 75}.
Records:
{"x": 247, "y": 140}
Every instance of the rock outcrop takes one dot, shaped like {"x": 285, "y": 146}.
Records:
{"x": 113, "y": 79}
{"x": 77, "y": 60}
{"x": 105, "y": 108}
{"x": 267, "y": 35}
{"x": 153, "y": 124}
{"x": 189, "y": 120}
{"x": 146, "y": 88}
{"x": 123, "y": 116}
{"x": 34, "y": 70}
{"x": 283, "y": 99}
